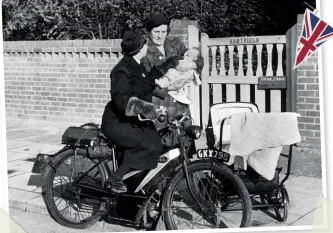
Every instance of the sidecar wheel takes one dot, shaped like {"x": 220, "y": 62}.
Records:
{"x": 282, "y": 205}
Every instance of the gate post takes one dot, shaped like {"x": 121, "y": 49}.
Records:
{"x": 194, "y": 91}
{"x": 205, "y": 86}
{"x": 291, "y": 43}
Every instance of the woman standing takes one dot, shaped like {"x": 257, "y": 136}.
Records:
{"x": 160, "y": 48}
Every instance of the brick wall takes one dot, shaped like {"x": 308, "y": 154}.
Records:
{"x": 307, "y": 103}
{"x": 63, "y": 80}
{"x": 58, "y": 80}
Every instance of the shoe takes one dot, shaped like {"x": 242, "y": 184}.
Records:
{"x": 116, "y": 184}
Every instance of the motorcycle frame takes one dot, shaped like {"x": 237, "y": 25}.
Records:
{"x": 178, "y": 152}
{"x": 106, "y": 195}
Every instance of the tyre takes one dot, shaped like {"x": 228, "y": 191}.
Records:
{"x": 214, "y": 194}
{"x": 282, "y": 205}
{"x": 58, "y": 194}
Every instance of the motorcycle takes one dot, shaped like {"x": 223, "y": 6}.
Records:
{"x": 205, "y": 191}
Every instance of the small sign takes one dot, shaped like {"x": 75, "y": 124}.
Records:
{"x": 220, "y": 155}
{"x": 244, "y": 40}
{"x": 272, "y": 82}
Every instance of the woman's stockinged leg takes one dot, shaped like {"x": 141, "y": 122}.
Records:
{"x": 122, "y": 171}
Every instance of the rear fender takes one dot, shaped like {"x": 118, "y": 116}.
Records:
{"x": 44, "y": 160}
{"x": 47, "y": 160}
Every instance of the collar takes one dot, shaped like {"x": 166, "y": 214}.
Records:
{"x": 169, "y": 44}
{"x": 131, "y": 62}
{"x": 139, "y": 70}
{"x": 152, "y": 47}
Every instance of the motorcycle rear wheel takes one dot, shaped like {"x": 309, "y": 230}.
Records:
{"x": 50, "y": 193}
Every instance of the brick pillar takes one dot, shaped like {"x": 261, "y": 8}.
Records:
{"x": 179, "y": 28}
{"x": 188, "y": 31}
{"x": 307, "y": 103}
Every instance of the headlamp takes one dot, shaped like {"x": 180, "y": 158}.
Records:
{"x": 193, "y": 131}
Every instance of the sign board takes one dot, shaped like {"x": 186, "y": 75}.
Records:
{"x": 272, "y": 82}
{"x": 244, "y": 40}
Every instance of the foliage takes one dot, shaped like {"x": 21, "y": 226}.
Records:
{"x": 57, "y": 19}
{"x": 107, "y": 19}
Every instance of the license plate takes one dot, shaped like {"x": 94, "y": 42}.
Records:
{"x": 207, "y": 153}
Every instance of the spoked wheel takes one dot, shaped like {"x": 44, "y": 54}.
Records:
{"x": 222, "y": 200}
{"x": 63, "y": 200}
{"x": 282, "y": 204}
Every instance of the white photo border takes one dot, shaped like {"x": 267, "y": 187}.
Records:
{"x": 3, "y": 140}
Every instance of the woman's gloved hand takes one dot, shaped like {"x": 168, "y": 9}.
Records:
{"x": 149, "y": 111}
{"x": 137, "y": 106}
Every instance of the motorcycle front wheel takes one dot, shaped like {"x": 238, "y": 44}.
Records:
{"x": 61, "y": 197}
{"x": 222, "y": 199}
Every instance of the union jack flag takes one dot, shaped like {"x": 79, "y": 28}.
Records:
{"x": 315, "y": 32}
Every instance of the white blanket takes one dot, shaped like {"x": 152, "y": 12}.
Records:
{"x": 265, "y": 161}
{"x": 260, "y": 137}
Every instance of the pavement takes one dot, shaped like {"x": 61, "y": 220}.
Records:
{"x": 27, "y": 137}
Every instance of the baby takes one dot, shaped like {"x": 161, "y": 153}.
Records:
{"x": 174, "y": 79}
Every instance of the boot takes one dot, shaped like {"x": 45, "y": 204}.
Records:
{"x": 116, "y": 184}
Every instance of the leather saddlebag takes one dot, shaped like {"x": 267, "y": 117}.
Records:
{"x": 83, "y": 136}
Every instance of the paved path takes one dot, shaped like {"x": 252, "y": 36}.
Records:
{"x": 26, "y": 138}
{"x": 45, "y": 224}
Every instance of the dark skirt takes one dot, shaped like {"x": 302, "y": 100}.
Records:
{"x": 140, "y": 142}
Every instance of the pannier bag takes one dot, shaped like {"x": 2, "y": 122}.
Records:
{"x": 99, "y": 151}
{"x": 97, "y": 148}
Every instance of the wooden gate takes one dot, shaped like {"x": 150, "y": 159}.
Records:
{"x": 233, "y": 67}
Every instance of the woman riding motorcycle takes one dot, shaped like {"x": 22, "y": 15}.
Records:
{"x": 132, "y": 88}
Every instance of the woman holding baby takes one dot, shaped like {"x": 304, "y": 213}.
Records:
{"x": 160, "y": 48}
{"x": 133, "y": 85}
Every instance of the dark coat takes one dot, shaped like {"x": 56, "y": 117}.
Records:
{"x": 140, "y": 140}
{"x": 172, "y": 47}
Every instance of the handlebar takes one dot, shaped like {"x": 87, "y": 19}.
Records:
{"x": 164, "y": 116}
{"x": 161, "y": 118}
